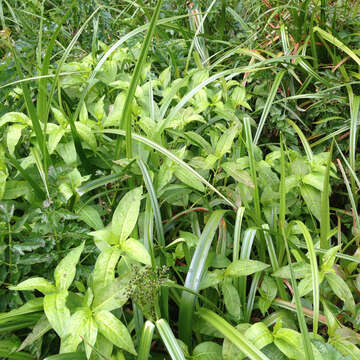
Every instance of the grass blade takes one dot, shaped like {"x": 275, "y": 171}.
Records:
{"x": 196, "y": 270}
{"x": 354, "y": 102}
{"x": 174, "y": 158}
{"x": 145, "y": 341}
{"x": 169, "y": 340}
{"x": 237, "y": 233}
{"x": 303, "y": 139}
{"x": 126, "y": 116}
{"x": 300, "y": 313}
{"x": 325, "y": 208}
{"x": 336, "y": 42}
{"x": 238, "y": 339}
{"x": 314, "y": 273}
{"x": 268, "y": 104}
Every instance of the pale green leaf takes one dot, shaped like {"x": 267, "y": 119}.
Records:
{"x": 65, "y": 271}
{"x": 114, "y": 330}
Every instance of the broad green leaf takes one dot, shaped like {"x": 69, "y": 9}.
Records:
{"x": 32, "y": 306}
{"x": 90, "y": 335}
{"x": 55, "y": 136}
{"x": 245, "y": 267}
{"x": 188, "y": 178}
{"x": 74, "y": 330}
{"x": 40, "y": 329}
{"x": 69, "y": 356}
{"x": 231, "y": 300}
{"x": 103, "y": 238}
{"x": 65, "y": 271}
{"x": 13, "y": 136}
{"x": 290, "y": 342}
{"x": 301, "y": 269}
{"x": 104, "y": 271}
{"x": 113, "y": 296}
{"x": 225, "y": 142}
{"x": 59, "y": 117}
{"x": 346, "y": 348}
{"x": 90, "y": 216}
{"x": 37, "y": 283}
{"x": 56, "y": 311}
{"x": 328, "y": 258}
{"x": 312, "y": 199}
{"x": 86, "y": 134}
{"x": 114, "y": 330}
{"x": 126, "y": 214}
{"x": 15, "y": 117}
{"x": 207, "y": 350}
{"x": 341, "y": 289}
{"x": 136, "y": 251}
{"x": 236, "y": 171}
{"x": 314, "y": 179}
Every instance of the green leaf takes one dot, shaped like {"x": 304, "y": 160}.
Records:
{"x": 314, "y": 179}
{"x": 69, "y": 356}
{"x": 37, "y": 283}
{"x": 13, "y": 136}
{"x": 231, "y": 300}
{"x": 236, "y": 171}
{"x": 346, "y": 348}
{"x": 86, "y": 134}
{"x": 104, "y": 271}
{"x": 268, "y": 104}
{"x": 168, "y": 338}
{"x": 65, "y": 271}
{"x": 301, "y": 269}
{"x": 207, "y": 350}
{"x": 74, "y": 330}
{"x": 328, "y": 258}
{"x": 126, "y": 214}
{"x": 312, "y": 199}
{"x": 114, "y": 330}
{"x": 112, "y": 296}
{"x": 245, "y": 267}
{"x": 145, "y": 341}
{"x": 195, "y": 273}
{"x": 225, "y": 142}
{"x": 91, "y": 216}
{"x": 238, "y": 339}
{"x": 136, "y": 251}
{"x": 40, "y": 329}
{"x": 56, "y": 311}
{"x": 188, "y": 178}
{"x": 341, "y": 289}
{"x": 90, "y": 335}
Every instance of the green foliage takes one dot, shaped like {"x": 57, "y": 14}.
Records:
{"x": 167, "y": 184}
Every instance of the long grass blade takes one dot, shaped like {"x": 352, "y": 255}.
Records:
{"x": 174, "y": 158}
{"x": 336, "y": 42}
{"x": 126, "y": 116}
{"x": 145, "y": 341}
{"x": 325, "y": 207}
{"x": 303, "y": 139}
{"x": 235, "y": 336}
{"x": 169, "y": 340}
{"x": 300, "y": 313}
{"x": 195, "y": 273}
{"x": 268, "y": 105}
{"x": 314, "y": 273}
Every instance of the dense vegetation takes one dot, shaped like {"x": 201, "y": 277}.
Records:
{"x": 179, "y": 180}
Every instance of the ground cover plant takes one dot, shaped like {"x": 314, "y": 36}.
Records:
{"x": 179, "y": 180}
